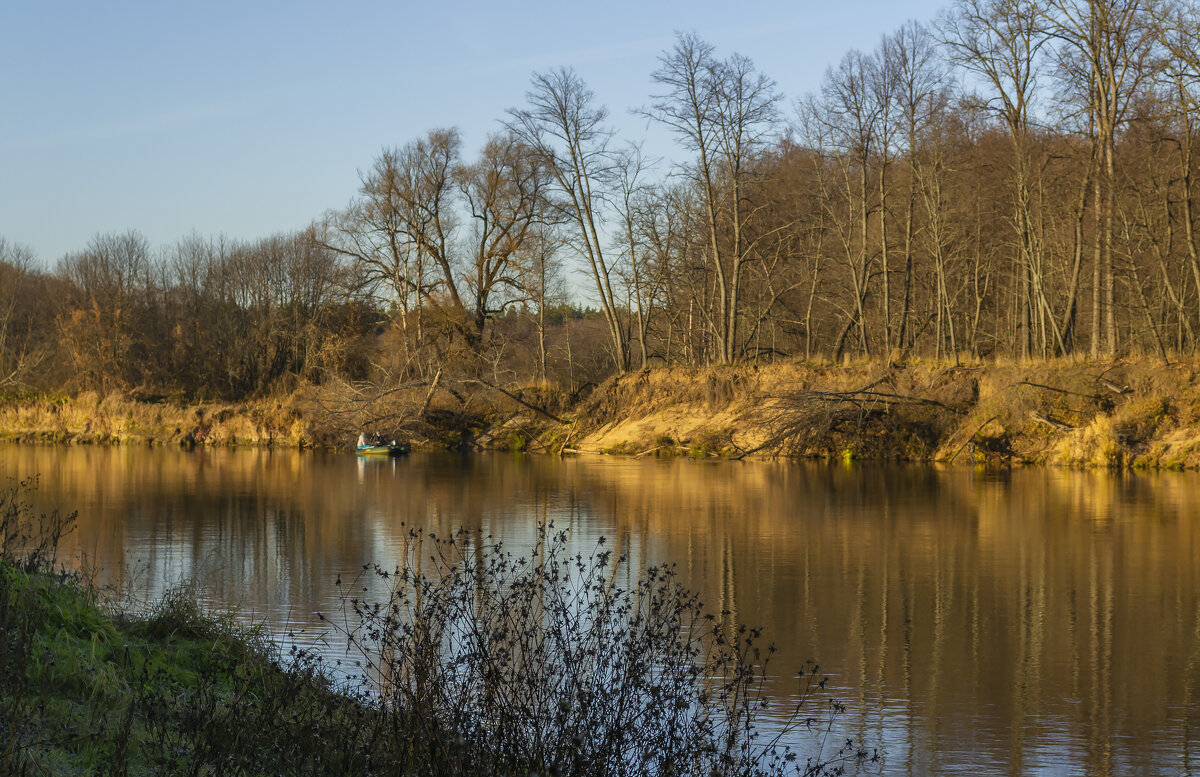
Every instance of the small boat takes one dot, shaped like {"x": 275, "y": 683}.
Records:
{"x": 386, "y": 449}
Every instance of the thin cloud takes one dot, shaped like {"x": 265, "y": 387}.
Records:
{"x": 589, "y": 55}
{"x": 141, "y": 125}
{"x": 642, "y": 46}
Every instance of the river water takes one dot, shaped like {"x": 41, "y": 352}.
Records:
{"x": 984, "y": 623}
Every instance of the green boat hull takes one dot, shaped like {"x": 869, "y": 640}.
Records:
{"x": 381, "y": 450}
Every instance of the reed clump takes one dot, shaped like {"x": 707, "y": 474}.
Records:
{"x": 474, "y": 661}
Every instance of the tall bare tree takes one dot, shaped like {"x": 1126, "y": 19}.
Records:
{"x": 1001, "y": 42}
{"x": 1109, "y": 45}
{"x": 921, "y": 97}
{"x": 1178, "y": 30}
{"x": 725, "y": 112}
{"x": 565, "y": 126}
{"x": 845, "y": 120}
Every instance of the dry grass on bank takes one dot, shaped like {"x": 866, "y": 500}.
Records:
{"x": 1136, "y": 412}
{"x": 115, "y": 419}
{"x": 1123, "y": 413}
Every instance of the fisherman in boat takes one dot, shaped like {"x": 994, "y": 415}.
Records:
{"x": 362, "y": 440}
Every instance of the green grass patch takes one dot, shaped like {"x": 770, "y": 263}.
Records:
{"x": 87, "y": 692}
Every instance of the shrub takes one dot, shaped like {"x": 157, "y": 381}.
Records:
{"x": 511, "y": 664}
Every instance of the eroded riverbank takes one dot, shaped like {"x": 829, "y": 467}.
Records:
{"x": 1130, "y": 413}
{"x": 1125, "y": 413}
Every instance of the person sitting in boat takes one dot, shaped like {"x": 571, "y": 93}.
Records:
{"x": 362, "y": 440}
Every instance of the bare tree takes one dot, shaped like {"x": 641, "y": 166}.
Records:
{"x": 504, "y": 192}
{"x": 99, "y": 323}
{"x": 635, "y": 205}
{"x": 883, "y": 88}
{"x": 563, "y": 124}
{"x": 1109, "y": 45}
{"x": 542, "y": 282}
{"x": 1178, "y": 30}
{"x": 401, "y": 232}
{"x": 725, "y": 112}
{"x": 661, "y": 228}
{"x": 1001, "y": 43}
{"x": 20, "y": 351}
{"x": 921, "y": 95}
{"x": 845, "y": 121}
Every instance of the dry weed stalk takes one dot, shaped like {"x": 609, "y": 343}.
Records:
{"x": 545, "y": 664}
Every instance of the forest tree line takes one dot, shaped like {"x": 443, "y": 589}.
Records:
{"x": 1013, "y": 180}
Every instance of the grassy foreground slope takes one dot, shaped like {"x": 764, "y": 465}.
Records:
{"x": 88, "y": 692}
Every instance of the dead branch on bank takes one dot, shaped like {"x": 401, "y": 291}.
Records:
{"x": 516, "y": 398}
{"x": 970, "y": 439}
{"x": 799, "y": 420}
{"x": 1058, "y": 390}
{"x": 395, "y": 409}
{"x": 1057, "y": 426}
{"x": 408, "y": 408}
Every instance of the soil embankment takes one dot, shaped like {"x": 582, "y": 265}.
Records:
{"x": 1138, "y": 413}
{"x": 1126, "y": 413}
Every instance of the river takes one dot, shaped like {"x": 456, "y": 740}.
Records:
{"x": 985, "y": 623}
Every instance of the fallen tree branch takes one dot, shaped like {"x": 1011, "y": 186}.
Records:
{"x": 1057, "y": 390}
{"x": 886, "y": 397}
{"x": 429, "y": 395}
{"x": 516, "y": 399}
{"x": 970, "y": 439}
{"x": 809, "y": 414}
{"x": 567, "y": 440}
{"x": 1114, "y": 388}
{"x": 1056, "y": 425}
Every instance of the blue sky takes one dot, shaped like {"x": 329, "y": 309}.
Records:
{"x": 252, "y": 118}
